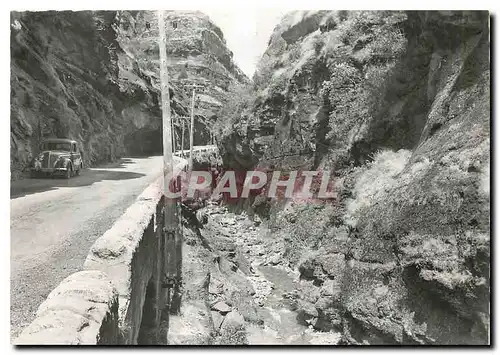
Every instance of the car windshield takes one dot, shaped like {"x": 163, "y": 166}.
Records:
{"x": 57, "y": 146}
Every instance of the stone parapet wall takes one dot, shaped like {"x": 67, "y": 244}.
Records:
{"x": 82, "y": 310}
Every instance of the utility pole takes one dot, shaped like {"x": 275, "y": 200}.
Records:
{"x": 171, "y": 233}
{"x": 175, "y": 136}
{"x": 182, "y": 118}
{"x": 172, "y": 127}
{"x": 182, "y": 139}
{"x": 191, "y": 133}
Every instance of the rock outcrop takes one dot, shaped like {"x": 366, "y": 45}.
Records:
{"x": 62, "y": 70}
{"x": 197, "y": 55}
{"x": 94, "y": 76}
{"x": 397, "y": 105}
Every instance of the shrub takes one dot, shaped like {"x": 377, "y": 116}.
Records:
{"x": 377, "y": 178}
{"x": 358, "y": 79}
{"x": 389, "y": 43}
{"x": 239, "y": 99}
{"x": 348, "y": 100}
{"x": 304, "y": 227}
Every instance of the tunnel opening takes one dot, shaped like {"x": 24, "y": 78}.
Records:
{"x": 144, "y": 142}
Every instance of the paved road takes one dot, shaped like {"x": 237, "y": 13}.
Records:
{"x": 54, "y": 222}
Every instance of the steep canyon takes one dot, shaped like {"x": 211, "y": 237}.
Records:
{"x": 397, "y": 106}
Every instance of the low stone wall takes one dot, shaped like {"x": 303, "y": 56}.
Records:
{"x": 128, "y": 253}
{"x": 118, "y": 298}
{"x": 82, "y": 310}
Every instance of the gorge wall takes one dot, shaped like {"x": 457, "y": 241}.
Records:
{"x": 94, "y": 76}
{"x": 397, "y": 106}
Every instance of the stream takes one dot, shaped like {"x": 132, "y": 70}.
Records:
{"x": 270, "y": 279}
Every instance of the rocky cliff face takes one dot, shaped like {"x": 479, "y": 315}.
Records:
{"x": 93, "y": 76}
{"x": 62, "y": 67}
{"x": 197, "y": 55}
{"x": 397, "y": 105}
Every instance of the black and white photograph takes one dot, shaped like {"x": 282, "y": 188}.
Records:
{"x": 219, "y": 178}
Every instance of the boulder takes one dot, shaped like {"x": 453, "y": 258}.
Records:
{"x": 306, "y": 312}
{"x": 232, "y": 331}
{"x": 215, "y": 287}
{"x": 217, "y": 319}
{"x": 221, "y": 307}
{"x": 192, "y": 326}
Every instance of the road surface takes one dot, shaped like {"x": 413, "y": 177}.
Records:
{"x": 54, "y": 222}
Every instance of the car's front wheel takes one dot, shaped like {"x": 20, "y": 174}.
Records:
{"x": 69, "y": 173}
{"x": 77, "y": 172}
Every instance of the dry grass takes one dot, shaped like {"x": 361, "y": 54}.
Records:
{"x": 378, "y": 178}
{"x": 304, "y": 228}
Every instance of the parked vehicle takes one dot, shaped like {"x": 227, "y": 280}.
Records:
{"x": 58, "y": 156}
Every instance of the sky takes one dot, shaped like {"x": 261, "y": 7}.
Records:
{"x": 246, "y": 35}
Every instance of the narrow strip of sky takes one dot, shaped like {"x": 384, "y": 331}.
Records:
{"x": 247, "y": 32}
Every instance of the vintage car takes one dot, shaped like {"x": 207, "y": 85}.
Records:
{"x": 58, "y": 157}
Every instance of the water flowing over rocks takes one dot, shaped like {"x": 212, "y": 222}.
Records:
{"x": 247, "y": 292}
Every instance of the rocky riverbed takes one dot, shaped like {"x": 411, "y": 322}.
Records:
{"x": 244, "y": 291}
